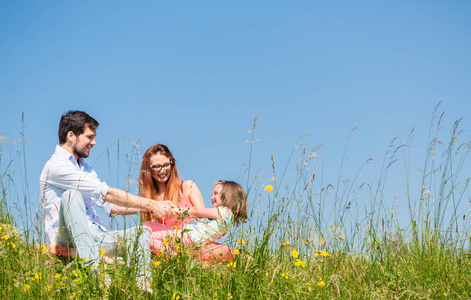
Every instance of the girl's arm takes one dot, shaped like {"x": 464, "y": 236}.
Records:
{"x": 190, "y": 189}
{"x": 200, "y": 212}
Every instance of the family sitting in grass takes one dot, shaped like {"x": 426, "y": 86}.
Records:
{"x": 71, "y": 191}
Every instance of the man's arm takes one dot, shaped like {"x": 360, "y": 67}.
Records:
{"x": 119, "y": 210}
{"x": 125, "y": 200}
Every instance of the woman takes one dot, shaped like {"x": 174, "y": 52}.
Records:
{"x": 159, "y": 181}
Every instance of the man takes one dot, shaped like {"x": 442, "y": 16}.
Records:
{"x": 71, "y": 190}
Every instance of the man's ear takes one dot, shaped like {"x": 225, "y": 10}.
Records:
{"x": 71, "y": 137}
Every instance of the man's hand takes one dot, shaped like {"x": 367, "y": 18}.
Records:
{"x": 161, "y": 209}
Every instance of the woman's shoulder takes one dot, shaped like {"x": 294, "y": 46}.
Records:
{"x": 186, "y": 186}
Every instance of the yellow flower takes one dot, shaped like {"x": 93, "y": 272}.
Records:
{"x": 58, "y": 276}
{"x": 229, "y": 296}
{"x": 300, "y": 263}
{"x": 162, "y": 251}
{"x": 294, "y": 253}
{"x": 84, "y": 259}
{"x": 322, "y": 253}
{"x": 4, "y": 237}
{"x": 12, "y": 245}
{"x": 44, "y": 248}
{"x": 216, "y": 182}
{"x": 72, "y": 296}
{"x": 37, "y": 277}
{"x": 285, "y": 243}
{"x": 242, "y": 243}
{"x": 75, "y": 273}
{"x": 76, "y": 280}
{"x": 165, "y": 242}
{"x": 175, "y": 227}
{"x": 175, "y": 296}
{"x": 232, "y": 264}
{"x": 157, "y": 263}
{"x": 47, "y": 288}
{"x": 341, "y": 238}
{"x": 26, "y": 287}
{"x": 102, "y": 251}
{"x": 177, "y": 247}
{"x": 269, "y": 188}
{"x": 284, "y": 275}
{"x": 236, "y": 252}
{"x": 309, "y": 286}
{"x": 321, "y": 282}
{"x": 426, "y": 193}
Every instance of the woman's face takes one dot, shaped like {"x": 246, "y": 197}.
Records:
{"x": 161, "y": 167}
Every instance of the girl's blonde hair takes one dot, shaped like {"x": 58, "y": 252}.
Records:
{"x": 233, "y": 197}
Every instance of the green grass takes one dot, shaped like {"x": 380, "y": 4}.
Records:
{"x": 344, "y": 250}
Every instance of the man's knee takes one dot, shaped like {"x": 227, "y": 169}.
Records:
{"x": 71, "y": 197}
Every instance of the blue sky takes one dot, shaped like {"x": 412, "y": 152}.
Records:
{"x": 194, "y": 75}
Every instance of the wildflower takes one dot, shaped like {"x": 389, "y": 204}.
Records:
{"x": 294, "y": 253}
{"x": 44, "y": 248}
{"x": 321, "y": 282}
{"x": 157, "y": 263}
{"x": 426, "y": 193}
{"x": 300, "y": 263}
{"x": 231, "y": 264}
{"x": 102, "y": 251}
{"x": 72, "y": 296}
{"x": 12, "y": 245}
{"x": 285, "y": 243}
{"x": 47, "y": 288}
{"x": 284, "y": 275}
{"x": 216, "y": 182}
{"x": 175, "y": 296}
{"x": 162, "y": 251}
{"x": 165, "y": 242}
{"x": 76, "y": 280}
{"x": 341, "y": 238}
{"x": 236, "y": 252}
{"x": 4, "y": 237}
{"x": 242, "y": 243}
{"x": 57, "y": 276}
{"x": 322, "y": 253}
{"x": 309, "y": 288}
{"x": 229, "y": 296}
{"x": 37, "y": 277}
{"x": 177, "y": 247}
{"x": 26, "y": 287}
{"x": 175, "y": 227}
{"x": 84, "y": 259}
{"x": 269, "y": 188}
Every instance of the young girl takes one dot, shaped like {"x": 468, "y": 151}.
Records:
{"x": 229, "y": 206}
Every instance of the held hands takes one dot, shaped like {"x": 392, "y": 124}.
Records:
{"x": 161, "y": 209}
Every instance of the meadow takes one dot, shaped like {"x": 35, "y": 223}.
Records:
{"x": 309, "y": 240}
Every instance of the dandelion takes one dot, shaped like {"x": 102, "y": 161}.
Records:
{"x": 175, "y": 227}
{"x": 26, "y": 287}
{"x": 285, "y": 243}
{"x": 300, "y": 263}
{"x": 76, "y": 280}
{"x": 176, "y": 247}
{"x": 157, "y": 263}
{"x": 4, "y": 237}
{"x": 232, "y": 264}
{"x": 75, "y": 273}
{"x": 44, "y": 248}
{"x": 47, "y": 288}
{"x": 229, "y": 296}
{"x": 322, "y": 253}
{"x": 309, "y": 287}
{"x": 12, "y": 245}
{"x": 294, "y": 253}
{"x": 162, "y": 251}
{"x": 341, "y": 238}
{"x": 175, "y": 296}
{"x": 102, "y": 251}
{"x": 321, "y": 282}
{"x": 242, "y": 243}
{"x": 57, "y": 276}
{"x": 236, "y": 252}
{"x": 284, "y": 275}
{"x": 216, "y": 182}
{"x": 165, "y": 242}
{"x": 84, "y": 259}
{"x": 269, "y": 188}
{"x": 72, "y": 296}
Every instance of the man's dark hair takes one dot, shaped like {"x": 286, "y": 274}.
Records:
{"x": 75, "y": 121}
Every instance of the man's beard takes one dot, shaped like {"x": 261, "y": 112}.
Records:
{"x": 81, "y": 152}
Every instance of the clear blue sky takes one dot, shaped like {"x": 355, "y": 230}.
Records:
{"x": 194, "y": 74}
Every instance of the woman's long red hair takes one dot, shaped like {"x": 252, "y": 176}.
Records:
{"x": 147, "y": 186}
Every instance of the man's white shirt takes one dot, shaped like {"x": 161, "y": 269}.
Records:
{"x": 62, "y": 173}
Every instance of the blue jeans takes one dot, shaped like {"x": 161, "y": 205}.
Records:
{"x": 75, "y": 230}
